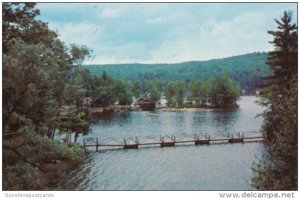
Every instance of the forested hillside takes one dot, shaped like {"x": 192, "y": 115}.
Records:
{"x": 244, "y": 69}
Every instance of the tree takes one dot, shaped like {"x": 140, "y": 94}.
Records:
{"x": 224, "y": 91}
{"x": 170, "y": 94}
{"x": 104, "y": 76}
{"x": 180, "y": 92}
{"x": 278, "y": 169}
{"x": 196, "y": 90}
{"x": 72, "y": 121}
{"x": 283, "y": 60}
{"x": 122, "y": 92}
{"x": 37, "y": 73}
{"x": 204, "y": 90}
{"x": 87, "y": 79}
{"x": 80, "y": 53}
{"x": 154, "y": 93}
{"x": 136, "y": 89}
{"x": 19, "y": 23}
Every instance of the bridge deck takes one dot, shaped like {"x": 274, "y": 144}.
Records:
{"x": 170, "y": 141}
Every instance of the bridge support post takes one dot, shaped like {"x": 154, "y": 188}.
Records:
{"x": 243, "y": 137}
{"x": 97, "y": 144}
{"x": 83, "y": 144}
{"x": 161, "y": 139}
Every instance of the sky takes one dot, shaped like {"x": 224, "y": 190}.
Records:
{"x": 165, "y": 32}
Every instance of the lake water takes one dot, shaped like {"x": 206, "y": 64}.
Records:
{"x": 211, "y": 167}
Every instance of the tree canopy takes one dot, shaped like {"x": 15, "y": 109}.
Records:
{"x": 38, "y": 77}
{"x": 278, "y": 168}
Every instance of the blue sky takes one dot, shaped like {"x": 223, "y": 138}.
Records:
{"x": 164, "y": 32}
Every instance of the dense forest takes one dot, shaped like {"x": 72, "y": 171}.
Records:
{"x": 246, "y": 70}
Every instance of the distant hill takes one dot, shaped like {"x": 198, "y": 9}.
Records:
{"x": 246, "y": 69}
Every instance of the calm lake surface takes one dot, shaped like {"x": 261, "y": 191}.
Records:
{"x": 213, "y": 167}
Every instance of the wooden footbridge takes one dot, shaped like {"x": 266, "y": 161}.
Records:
{"x": 170, "y": 141}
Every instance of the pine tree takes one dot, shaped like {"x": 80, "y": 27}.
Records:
{"x": 283, "y": 60}
{"x": 277, "y": 170}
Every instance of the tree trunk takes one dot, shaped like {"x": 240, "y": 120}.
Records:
{"x": 49, "y": 133}
{"x": 69, "y": 136}
{"x": 75, "y": 137}
{"x": 53, "y": 133}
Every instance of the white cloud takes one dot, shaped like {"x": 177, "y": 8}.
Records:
{"x": 112, "y": 12}
{"x": 161, "y": 19}
{"x": 245, "y": 33}
{"x": 138, "y": 52}
{"x": 54, "y": 8}
{"x": 122, "y": 33}
{"x": 175, "y": 51}
{"x": 80, "y": 33}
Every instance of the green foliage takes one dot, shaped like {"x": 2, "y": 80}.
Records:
{"x": 31, "y": 83}
{"x": 180, "y": 92}
{"x": 102, "y": 90}
{"x": 278, "y": 168}
{"x": 33, "y": 162}
{"x": 224, "y": 92}
{"x": 39, "y": 79}
{"x": 72, "y": 120}
{"x": 19, "y": 23}
{"x": 171, "y": 93}
{"x": 105, "y": 90}
{"x": 122, "y": 92}
{"x": 246, "y": 70}
{"x": 196, "y": 91}
{"x": 136, "y": 88}
{"x": 80, "y": 53}
{"x": 154, "y": 92}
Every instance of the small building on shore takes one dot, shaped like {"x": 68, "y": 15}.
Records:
{"x": 147, "y": 104}
{"x": 86, "y": 101}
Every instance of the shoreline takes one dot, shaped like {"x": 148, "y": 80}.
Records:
{"x": 189, "y": 109}
{"x": 127, "y": 108}
{"x": 195, "y": 109}
{"x": 95, "y": 110}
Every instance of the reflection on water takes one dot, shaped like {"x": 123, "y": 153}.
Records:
{"x": 216, "y": 167}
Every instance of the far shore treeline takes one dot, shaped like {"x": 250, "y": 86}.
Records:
{"x": 105, "y": 91}
{"x": 221, "y": 80}
{"x": 246, "y": 70}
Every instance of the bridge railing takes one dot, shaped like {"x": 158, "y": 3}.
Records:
{"x": 171, "y": 140}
